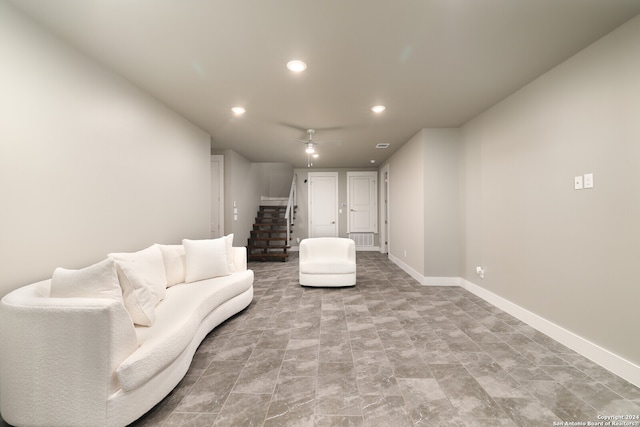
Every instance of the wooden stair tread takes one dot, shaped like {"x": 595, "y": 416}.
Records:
{"x": 268, "y": 257}
{"x": 268, "y": 239}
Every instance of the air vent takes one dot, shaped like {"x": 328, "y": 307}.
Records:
{"x": 383, "y": 145}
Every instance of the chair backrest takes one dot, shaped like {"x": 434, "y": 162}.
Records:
{"x": 327, "y": 247}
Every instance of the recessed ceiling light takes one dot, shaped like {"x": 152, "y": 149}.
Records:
{"x": 382, "y": 145}
{"x": 238, "y": 111}
{"x": 372, "y": 161}
{"x": 296, "y": 65}
{"x": 378, "y": 108}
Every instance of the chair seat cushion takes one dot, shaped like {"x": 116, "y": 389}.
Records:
{"x": 328, "y": 266}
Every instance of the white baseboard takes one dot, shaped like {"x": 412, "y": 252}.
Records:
{"x": 367, "y": 248}
{"x": 603, "y": 357}
{"x": 424, "y": 280}
{"x": 358, "y": 249}
{"x": 441, "y": 281}
{"x": 413, "y": 273}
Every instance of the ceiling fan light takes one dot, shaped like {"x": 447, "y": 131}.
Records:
{"x": 296, "y": 65}
{"x": 310, "y": 149}
{"x": 315, "y": 155}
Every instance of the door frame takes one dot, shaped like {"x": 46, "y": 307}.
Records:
{"x": 370, "y": 175}
{"x": 310, "y": 177}
{"x": 220, "y": 159}
{"x": 385, "y": 238}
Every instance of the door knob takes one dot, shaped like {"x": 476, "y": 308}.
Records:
{"x": 333, "y": 222}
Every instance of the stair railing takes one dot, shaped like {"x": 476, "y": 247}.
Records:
{"x": 291, "y": 203}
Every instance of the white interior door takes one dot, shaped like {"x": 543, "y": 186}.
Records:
{"x": 362, "y": 194}
{"x": 217, "y": 196}
{"x": 323, "y": 204}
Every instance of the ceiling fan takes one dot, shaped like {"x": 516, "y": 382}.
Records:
{"x": 310, "y": 144}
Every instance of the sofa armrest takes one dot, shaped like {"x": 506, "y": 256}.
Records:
{"x": 59, "y": 355}
{"x": 240, "y": 258}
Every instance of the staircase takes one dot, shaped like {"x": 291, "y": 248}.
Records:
{"x": 269, "y": 237}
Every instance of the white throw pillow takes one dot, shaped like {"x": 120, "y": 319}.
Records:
{"x": 99, "y": 280}
{"x": 140, "y": 298}
{"x": 206, "y": 259}
{"x": 230, "y": 259}
{"x": 148, "y": 264}
{"x": 174, "y": 263}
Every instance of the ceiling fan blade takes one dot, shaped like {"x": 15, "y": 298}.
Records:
{"x": 310, "y": 141}
{"x": 293, "y": 126}
{"x": 306, "y": 128}
{"x": 316, "y": 142}
{"x": 329, "y": 128}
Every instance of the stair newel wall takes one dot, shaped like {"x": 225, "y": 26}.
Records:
{"x": 291, "y": 205}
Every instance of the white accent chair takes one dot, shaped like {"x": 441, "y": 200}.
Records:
{"x": 327, "y": 262}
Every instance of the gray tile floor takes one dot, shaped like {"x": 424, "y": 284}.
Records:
{"x": 387, "y": 352}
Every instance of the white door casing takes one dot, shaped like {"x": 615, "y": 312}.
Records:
{"x": 323, "y": 204}
{"x": 217, "y": 196}
{"x": 362, "y": 194}
{"x": 384, "y": 209}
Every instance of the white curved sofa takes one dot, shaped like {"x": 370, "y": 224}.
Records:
{"x": 327, "y": 262}
{"x": 81, "y": 361}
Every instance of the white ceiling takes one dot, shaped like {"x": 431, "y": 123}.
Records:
{"x": 433, "y": 63}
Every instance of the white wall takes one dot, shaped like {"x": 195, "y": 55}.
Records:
{"x": 424, "y": 206}
{"x": 442, "y": 236}
{"x": 275, "y": 179}
{"x": 245, "y": 183}
{"x": 406, "y": 205}
{"x": 568, "y": 256}
{"x": 88, "y": 164}
{"x": 242, "y": 189}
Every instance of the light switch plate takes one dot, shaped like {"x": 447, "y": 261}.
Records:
{"x": 577, "y": 183}
{"x": 588, "y": 180}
